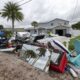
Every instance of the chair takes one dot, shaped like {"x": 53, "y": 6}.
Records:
{"x": 58, "y": 63}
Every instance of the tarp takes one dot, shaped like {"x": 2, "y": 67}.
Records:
{"x": 23, "y": 34}
{"x": 1, "y": 33}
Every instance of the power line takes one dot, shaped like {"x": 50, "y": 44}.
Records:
{"x": 74, "y": 9}
{"x": 22, "y": 3}
{"x": 19, "y": 1}
{"x": 25, "y": 2}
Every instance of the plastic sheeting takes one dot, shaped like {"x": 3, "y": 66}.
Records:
{"x": 1, "y": 33}
{"x": 76, "y": 61}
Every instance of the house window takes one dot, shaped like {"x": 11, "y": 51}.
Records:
{"x": 65, "y": 23}
{"x": 51, "y": 24}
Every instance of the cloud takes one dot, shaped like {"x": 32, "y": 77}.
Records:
{"x": 46, "y": 10}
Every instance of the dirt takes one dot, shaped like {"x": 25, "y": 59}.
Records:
{"x": 12, "y": 68}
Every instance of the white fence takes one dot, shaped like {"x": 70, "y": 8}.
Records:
{"x": 75, "y": 32}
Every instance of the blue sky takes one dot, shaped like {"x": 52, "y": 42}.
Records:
{"x": 45, "y": 10}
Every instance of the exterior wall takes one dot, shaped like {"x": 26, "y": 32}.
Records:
{"x": 52, "y": 26}
{"x": 54, "y": 23}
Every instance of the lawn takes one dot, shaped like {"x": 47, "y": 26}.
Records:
{"x": 71, "y": 43}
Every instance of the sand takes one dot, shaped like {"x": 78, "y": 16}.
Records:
{"x": 12, "y": 68}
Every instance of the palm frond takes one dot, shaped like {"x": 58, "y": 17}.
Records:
{"x": 12, "y": 11}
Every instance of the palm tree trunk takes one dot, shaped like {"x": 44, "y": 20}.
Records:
{"x": 12, "y": 25}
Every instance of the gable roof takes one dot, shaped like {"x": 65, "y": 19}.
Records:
{"x": 54, "y": 20}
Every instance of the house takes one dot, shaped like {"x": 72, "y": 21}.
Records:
{"x": 56, "y": 26}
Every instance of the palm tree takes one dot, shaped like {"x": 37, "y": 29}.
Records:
{"x": 1, "y": 27}
{"x": 12, "y": 12}
{"x": 35, "y": 24}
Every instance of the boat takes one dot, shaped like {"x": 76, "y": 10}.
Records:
{"x": 55, "y": 43}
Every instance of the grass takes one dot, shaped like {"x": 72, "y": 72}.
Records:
{"x": 71, "y": 43}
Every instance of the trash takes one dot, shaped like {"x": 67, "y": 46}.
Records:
{"x": 72, "y": 72}
{"x": 77, "y": 70}
{"x": 60, "y": 64}
{"x": 75, "y": 60}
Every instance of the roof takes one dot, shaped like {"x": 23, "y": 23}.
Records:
{"x": 53, "y": 20}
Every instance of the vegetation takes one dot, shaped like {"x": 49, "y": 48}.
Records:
{"x": 34, "y": 23}
{"x": 31, "y": 53}
{"x": 71, "y": 43}
{"x": 1, "y": 27}
{"x": 76, "y": 26}
{"x": 64, "y": 43}
{"x": 42, "y": 51}
{"x": 12, "y": 12}
{"x": 8, "y": 34}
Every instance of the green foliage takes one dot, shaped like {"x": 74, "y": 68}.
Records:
{"x": 1, "y": 26}
{"x": 8, "y": 34}
{"x": 71, "y": 47}
{"x": 76, "y": 26}
{"x": 42, "y": 51}
{"x": 71, "y": 43}
{"x": 34, "y": 23}
{"x": 30, "y": 53}
{"x": 12, "y": 12}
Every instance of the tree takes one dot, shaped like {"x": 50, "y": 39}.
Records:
{"x": 76, "y": 26}
{"x": 34, "y": 23}
{"x": 12, "y": 12}
{"x": 1, "y": 27}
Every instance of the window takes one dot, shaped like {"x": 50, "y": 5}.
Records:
{"x": 65, "y": 23}
{"x": 51, "y": 24}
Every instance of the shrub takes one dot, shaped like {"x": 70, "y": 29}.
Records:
{"x": 71, "y": 47}
{"x": 8, "y": 34}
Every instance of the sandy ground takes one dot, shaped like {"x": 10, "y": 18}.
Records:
{"x": 12, "y": 68}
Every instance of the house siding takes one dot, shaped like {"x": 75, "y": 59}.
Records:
{"x": 52, "y": 26}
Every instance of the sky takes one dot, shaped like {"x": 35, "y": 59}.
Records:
{"x": 44, "y": 11}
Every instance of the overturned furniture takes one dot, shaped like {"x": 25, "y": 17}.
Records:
{"x": 58, "y": 62}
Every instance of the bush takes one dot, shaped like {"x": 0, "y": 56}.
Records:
{"x": 71, "y": 43}
{"x": 8, "y": 34}
{"x": 71, "y": 47}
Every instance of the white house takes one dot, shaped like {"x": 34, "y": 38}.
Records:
{"x": 56, "y": 26}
